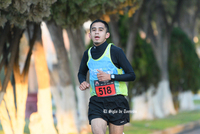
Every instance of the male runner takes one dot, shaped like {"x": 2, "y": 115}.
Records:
{"x": 109, "y": 69}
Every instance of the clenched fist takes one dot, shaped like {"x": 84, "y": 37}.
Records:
{"x": 84, "y": 85}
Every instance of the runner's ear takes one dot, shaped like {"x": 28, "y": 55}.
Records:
{"x": 107, "y": 35}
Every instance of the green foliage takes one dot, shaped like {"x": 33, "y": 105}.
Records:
{"x": 18, "y": 12}
{"x": 184, "y": 64}
{"x": 170, "y": 6}
{"x": 68, "y": 13}
{"x": 145, "y": 66}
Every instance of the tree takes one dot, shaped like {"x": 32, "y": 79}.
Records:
{"x": 18, "y": 13}
{"x": 134, "y": 24}
{"x": 79, "y": 11}
{"x": 9, "y": 103}
{"x": 13, "y": 46}
{"x": 77, "y": 44}
{"x": 44, "y": 92}
{"x": 148, "y": 76}
{"x": 15, "y": 16}
{"x": 66, "y": 108}
{"x": 159, "y": 32}
{"x": 184, "y": 68}
{"x": 188, "y": 17}
{"x": 21, "y": 67}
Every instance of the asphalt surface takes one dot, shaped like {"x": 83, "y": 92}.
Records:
{"x": 192, "y": 131}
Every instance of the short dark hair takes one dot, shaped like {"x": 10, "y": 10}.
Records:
{"x": 98, "y": 20}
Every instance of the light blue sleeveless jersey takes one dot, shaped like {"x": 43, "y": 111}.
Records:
{"x": 105, "y": 64}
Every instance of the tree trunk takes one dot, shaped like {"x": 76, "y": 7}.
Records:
{"x": 66, "y": 112}
{"x": 186, "y": 101}
{"x": 161, "y": 53}
{"x": 8, "y": 111}
{"x": 1, "y": 93}
{"x": 14, "y": 46}
{"x": 188, "y": 18}
{"x": 134, "y": 24}
{"x": 21, "y": 97}
{"x": 1, "y": 96}
{"x": 76, "y": 51}
{"x": 114, "y": 30}
{"x": 21, "y": 68}
{"x": 165, "y": 98}
{"x": 5, "y": 121}
{"x": 32, "y": 78}
{"x": 16, "y": 116}
{"x": 160, "y": 39}
{"x": 140, "y": 105}
{"x": 163, "y": 91}
{"x": 163, "y": 95}
{"x": 131, "y": 43}
{"x": 150, "y": 106}
{"x": 44, "y": 94}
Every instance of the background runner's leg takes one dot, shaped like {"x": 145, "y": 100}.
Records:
{"x": 115, "y": 129}
{"x": 98, "y": 126}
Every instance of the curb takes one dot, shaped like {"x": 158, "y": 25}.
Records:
{"x": 179, "y": 128}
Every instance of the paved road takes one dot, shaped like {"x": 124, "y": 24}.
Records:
{"x": 193, "y": 131}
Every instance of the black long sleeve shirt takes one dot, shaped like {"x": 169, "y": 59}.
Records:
{"x": 118, "y": 58}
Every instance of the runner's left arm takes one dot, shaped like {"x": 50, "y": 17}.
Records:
{"x": 120, "y": 60}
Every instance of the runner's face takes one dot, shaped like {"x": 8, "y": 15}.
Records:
{"x": 98, "y": 33}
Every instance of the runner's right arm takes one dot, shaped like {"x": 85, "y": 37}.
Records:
{"x": 83, "y": 69}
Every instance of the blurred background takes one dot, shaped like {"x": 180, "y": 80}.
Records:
{"x": 42, "y": 43}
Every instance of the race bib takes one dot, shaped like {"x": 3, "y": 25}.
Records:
{"x": 104, "y": 88}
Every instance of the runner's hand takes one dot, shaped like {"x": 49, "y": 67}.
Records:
{"x": 102, "y": 76}
{"x": 84, "y": 85}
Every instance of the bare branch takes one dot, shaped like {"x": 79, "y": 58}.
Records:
{"x": 4, "y": 36}
{"x": 15, "y": 45}
{"x": 151, "y": 35}
{"x": 31, "y": 44}
{"x": 135, "y": 21}
{"x": 150, "y": 32}
{"x": 5, "y": 56}
{"x": 177, "y": 13}
{"x": 196, "y": 13}
{"x": 114, "y": 29}
{"x": 162, "y": 12}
